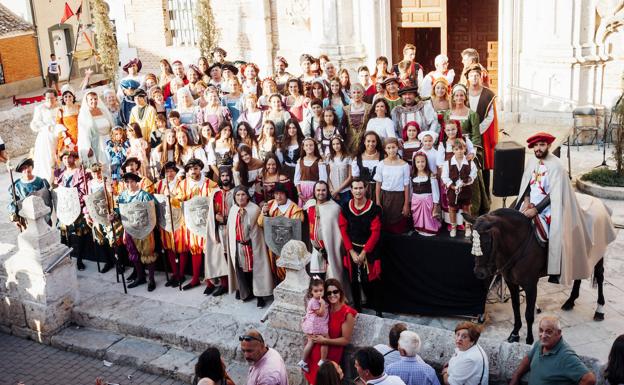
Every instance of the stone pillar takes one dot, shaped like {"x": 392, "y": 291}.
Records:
{"x": 287, "y": 309}
{"x": 41, "y": 285}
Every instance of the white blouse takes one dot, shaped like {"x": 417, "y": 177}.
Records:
{"x": 393, "y": 177}
{"x": 370, "y": 164}
{"x": 435, "y": 189}
{"x": 384, "y": 127}
{"x": 339, "y": 172}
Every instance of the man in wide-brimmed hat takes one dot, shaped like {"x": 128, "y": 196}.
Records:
{"x": 75, "y": 235}
{"x": 23, "y": 187}
{"x": 414, "y": 109}
{"x": 133, "y": 165}
{"x": 391, "y": 86}
{"x": 194, "y": 185}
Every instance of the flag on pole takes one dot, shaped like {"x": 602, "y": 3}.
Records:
{"x": 79, "y": 10}
{"x": 67, "y": 13}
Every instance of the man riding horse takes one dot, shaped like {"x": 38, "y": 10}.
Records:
{"x": 575, "y": 231}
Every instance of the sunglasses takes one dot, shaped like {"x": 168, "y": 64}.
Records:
{"x": 248, "y": 338}
{"x": 333, "y": 292}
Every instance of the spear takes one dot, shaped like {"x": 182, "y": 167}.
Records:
{"x": 177, "y": 259}
{"x": 119, "y": 264}
{"x": 162, "y": 246}
{"x": 84, "y": 179}
{"x": 20, "y": 224}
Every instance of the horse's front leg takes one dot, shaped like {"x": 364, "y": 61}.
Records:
{"x": 569, "y": 304}
{"x": 514, "y": 291}
{"x": 599, "y": 277}
{"x": 530, "y": 292}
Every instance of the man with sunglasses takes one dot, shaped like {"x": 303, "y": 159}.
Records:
{"x": 267, "y": 366}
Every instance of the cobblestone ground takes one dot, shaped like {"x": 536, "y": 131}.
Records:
{"x": 30, "y": 363}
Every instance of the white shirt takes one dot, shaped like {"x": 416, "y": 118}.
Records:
{"x": 386, "y": 380}
{"x": 390, "y": 355}
{"x": 465, "y": 368}
{"x": 449, "y": 148}
{"x": 435, "y": 189}
{"x": 368, "y": 163}
{"x": 393, "y": 177}
{"x": 384, "y": 127}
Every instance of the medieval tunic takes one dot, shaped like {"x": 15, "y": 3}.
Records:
{"x": 146, "y": 118}
{"x": 67, "y": 125}
{"x": 409, "y": 149}
{"x": 143, "y": 248}
{"x": 365, "y": 169}
{"x": 580, "y": 226}
{"x": 288, "y": 210}
{"x": 25, "y": 188}
{"x": 355, "y": 125}
{"x": 188, "y": 189}
{"x": 307, "y": 173}
{"x": 452, "y": 173}
{"x": 175, "y": 241}
{"x": 247, "y": 251}
{"x": 43, "y": 123}
{"x": 485, "y": 106}
{"x": 289, "y": 158}
{"x": 104, "y": 234}
{"x": 425, "y": 194}
{"x": 216, "y": 262}
{"x": 361, "y": 230}
{"x": 421, "y": 113}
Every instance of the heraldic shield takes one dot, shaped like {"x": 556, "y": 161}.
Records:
{"x": 97, "y": 206}
{"x": 67, "y": 204}
{"x": 138, "y": 218}
{"x": 165, "y": 210}
{"x": 279, "y": 230}
{"x": 196, "y": 215}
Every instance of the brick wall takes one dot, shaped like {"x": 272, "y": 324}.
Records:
{"x": 19, "y": 58}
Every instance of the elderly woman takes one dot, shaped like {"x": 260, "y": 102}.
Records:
{"x": 469, "y": 365}
{"x": 341, "y": 323}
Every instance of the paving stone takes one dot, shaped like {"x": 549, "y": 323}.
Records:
{"x": 134, "y": 352}
{"x": 86, "y": 341}
{"x": 172, "y": 363}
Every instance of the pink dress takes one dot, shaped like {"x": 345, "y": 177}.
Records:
{"x": 425, "y": 193}
{"x": 313, "y": 323}
{"x": 138, "y": 149}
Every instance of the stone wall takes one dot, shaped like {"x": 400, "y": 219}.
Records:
{"x": 15, "y": 130}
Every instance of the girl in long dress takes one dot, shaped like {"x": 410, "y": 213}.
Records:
{"x": 139, "y": 148}
{"x": 94, "y": 125}
{"x": 67, "y": 121}
{"x": 425, "y": 197}
{"x": 309, "y": 169}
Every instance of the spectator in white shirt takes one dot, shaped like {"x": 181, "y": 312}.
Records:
{"x": 469, "y": 365}
{"x": 378, "y": 120}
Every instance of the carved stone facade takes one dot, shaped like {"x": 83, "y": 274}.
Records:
{"x": 548, "y": 56}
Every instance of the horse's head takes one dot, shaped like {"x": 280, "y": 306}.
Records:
{"x": 482, "y": 244}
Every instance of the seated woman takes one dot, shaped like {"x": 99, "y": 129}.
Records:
{"x": 469, "y": 364}
{"x": 341, "y": 323}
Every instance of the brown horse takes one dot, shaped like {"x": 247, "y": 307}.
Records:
{"x": 504, "y": 243}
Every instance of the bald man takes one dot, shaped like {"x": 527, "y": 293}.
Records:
{"x": 552, "y": 360}
{"x": 267, "y": 366}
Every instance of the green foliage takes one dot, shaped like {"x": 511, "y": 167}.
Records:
{"x": 206, "y": 29}
{"x": 604, "y": 177}
{"x": 107, "y": 51}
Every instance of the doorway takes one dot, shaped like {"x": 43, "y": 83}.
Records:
{"x": 427, "y": 42}
{"x": 61, "y": 44}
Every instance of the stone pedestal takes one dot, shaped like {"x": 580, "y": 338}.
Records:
{"x": 288, "y": 308}
{"x": 41, "y": 284}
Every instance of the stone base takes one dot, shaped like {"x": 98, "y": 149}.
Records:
{"x": 603, "y": 192}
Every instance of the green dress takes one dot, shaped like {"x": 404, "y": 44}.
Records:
{"x": 480, "y": 203}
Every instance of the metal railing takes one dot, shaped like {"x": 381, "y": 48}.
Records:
{"x": 544, "y": 95}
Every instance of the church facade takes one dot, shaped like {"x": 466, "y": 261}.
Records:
{"x": 545, "y": 57}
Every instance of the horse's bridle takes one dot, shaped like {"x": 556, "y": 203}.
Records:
{"x": 491, "y": 265}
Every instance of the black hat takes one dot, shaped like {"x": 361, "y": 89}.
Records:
{"x": 406, "y": 90}
{"x": 140, "y": 92}
{"x": 24, "y": 163}
{"x": 280, "y": 187}
{"x": 168, "y": 166}
{"x": 391, "y": 79}
{"x": 214, "y": 66}
{"x": 192, "y": 163}
{"x": 131, "y": 175}
{"x": 228, "y": 66}
{"x": 68, "y": 152}
{"x": 130, "y": 160}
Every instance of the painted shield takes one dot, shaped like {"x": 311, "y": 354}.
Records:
{"x": 138, "y": 218}
{"x": 98, "y": 208}
{"x": 165, "y": 211}
{"x": 279, "y": 230}
{"x": 67, "y": 204}
{"x": 196, "y": 215}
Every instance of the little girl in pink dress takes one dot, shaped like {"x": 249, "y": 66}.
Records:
{"x": 139, "y": 148}
{"x": 316, "y": 321}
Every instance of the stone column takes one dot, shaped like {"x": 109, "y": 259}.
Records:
{"x": 287, "y": 309}
{"x": 41, "y": 285}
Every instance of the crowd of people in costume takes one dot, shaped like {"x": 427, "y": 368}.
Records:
{"x": 351, "y": 159}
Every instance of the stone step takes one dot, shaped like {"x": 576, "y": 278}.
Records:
{"x": 166, "y": 338}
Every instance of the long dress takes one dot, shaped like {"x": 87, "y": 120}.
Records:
{"x": 334, "y": 353}
{"x": 43, "y": 123}
{"x": 67, "y": 124}
{"x": 93, "y": 133}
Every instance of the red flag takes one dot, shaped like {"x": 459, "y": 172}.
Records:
{"x": 68, "y": 13}
{"x": 79, "y": 11}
